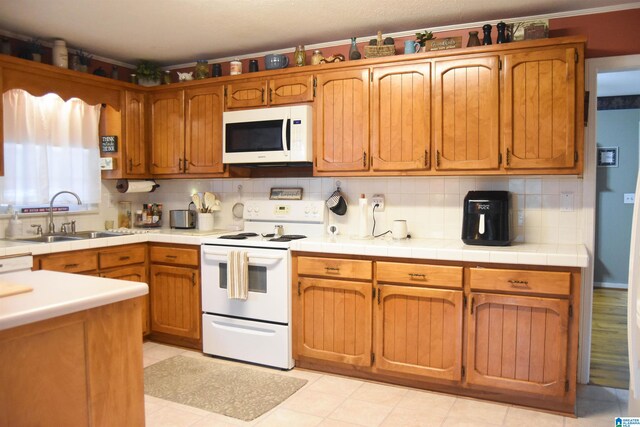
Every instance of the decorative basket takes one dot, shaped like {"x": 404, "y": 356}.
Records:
{"x": 380, "y": 50}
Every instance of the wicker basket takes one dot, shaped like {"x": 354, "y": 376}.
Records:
{"x": 380, "y": 50}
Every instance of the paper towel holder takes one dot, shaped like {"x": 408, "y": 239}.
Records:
{"x": 122, "y": 185}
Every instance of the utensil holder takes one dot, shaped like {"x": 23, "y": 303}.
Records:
{"x": 205, "y": 221}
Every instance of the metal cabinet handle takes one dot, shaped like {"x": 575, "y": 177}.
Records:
{"x": 130, "y": 165}
{"x": 180, "y": 164}
{"x": 416, "y": 276}
{"x": 70, "y": 265}
{"x": 364, "y": 159}
{"x": 332, "y": 269}
{"x": 519, "y": 284}
{"x": 186, "y": 165}
{"x": 193, "y": 279}
{"x": 171, "y": 256}
{"x": 124, "y": 258}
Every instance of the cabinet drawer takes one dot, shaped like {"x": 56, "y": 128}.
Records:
{"x": 335, "y": 268}
{"x": 178, "y": 256}
{"x": 71, "y": 262}
{"x": 522, "y": 281}
{"x": 121, "y": 256}
{"x": 419, "y": 274}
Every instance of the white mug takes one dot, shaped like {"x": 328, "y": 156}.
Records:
{"x": 399, "y": 229}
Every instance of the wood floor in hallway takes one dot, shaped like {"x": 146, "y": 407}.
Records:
{"x": 609, "y": 355}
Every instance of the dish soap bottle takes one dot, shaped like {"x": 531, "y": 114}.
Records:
{"x": 15, "y": 225}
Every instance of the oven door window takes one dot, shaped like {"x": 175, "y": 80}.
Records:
{"x": 256, "y": 136}
{"x": 257, "y": 278}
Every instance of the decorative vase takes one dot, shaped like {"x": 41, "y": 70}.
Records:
{"x": 473, "y": 39}
{"x": 353, "y": 50}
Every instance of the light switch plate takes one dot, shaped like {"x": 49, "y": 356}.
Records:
{"x": 566, "y": 202}
{"x": 106, "y": 163}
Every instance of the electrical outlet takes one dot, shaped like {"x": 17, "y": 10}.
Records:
{"x": 378, "y": 199}
{"x": 630, "y": 198}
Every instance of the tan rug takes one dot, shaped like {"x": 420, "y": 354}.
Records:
{"x": 214, "y": 386}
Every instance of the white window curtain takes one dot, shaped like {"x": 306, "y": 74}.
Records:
{"x": 49, "y": 145}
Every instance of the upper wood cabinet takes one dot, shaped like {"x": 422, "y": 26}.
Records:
{"x": 186, "y": 131}
{"x": 400, "y": 117}
{"x": 167, "y": 132}
{"x": 466, "y": 114}
{"x": 276, "y": 91}
{"x": 342, "y": 121}
{"x": 203, "y": 139}
{"x": 134, "y": 144}
{"x": 540, "y": 115}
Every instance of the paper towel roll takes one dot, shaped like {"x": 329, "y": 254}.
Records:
{"x": 127, "y": 186}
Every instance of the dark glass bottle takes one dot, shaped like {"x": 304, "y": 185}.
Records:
{"x": 486, "y": 29}
{"x": 473, "y": 39}
{"x": 502, "y": 35}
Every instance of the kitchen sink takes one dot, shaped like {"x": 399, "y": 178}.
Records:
{"x": 82, "y": 235}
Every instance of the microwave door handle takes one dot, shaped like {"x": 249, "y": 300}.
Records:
{"x": 285, "y": 122}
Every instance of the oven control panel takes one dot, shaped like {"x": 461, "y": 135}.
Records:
{"x": 285, "y": 210}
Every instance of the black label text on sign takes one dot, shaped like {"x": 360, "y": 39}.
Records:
{"x": 109, "y": 144}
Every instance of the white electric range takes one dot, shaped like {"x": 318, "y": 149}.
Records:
{"x": 258, "y": 329}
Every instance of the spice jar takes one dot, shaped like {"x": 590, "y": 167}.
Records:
{"x": 60, "y": 54}
{"x": 299, "y": 56}
{"x": 202, "y": 69}
{"x": 316, "y": 57}
{"x": 236, "y": 67}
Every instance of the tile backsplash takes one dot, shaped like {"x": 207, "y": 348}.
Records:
{"x": 432, "y": 206}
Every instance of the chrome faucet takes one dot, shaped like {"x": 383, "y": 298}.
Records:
{"x": 52, "y": 226}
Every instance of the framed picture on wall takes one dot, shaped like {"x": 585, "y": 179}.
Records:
{"x": 607, "y": 157}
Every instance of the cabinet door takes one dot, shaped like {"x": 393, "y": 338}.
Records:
{"x": 540, "y": 109}
{"x": 333, "y": 321}
{"x": 466, "y": 114}
{"x": 518, "y": 343}
{"x": 247, "y": 94}
{"x": 203, "y": 145}
{"x": 419, "y": 331}
{"x": 342, "y": 121}
{"x": 400, "y": 117}
{"x": 137, "y": 273}
{"x": 134, "y": 145}
{"x": 175, "y": 301}
{"x": 291, "y": 90}
{"x": 167, "y": 132}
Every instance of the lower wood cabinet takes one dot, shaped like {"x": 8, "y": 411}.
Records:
{"x": 136, "y": 273}
{"x": 419, "y": 331}
{"x": 334, "y": 320}
{"x": 508, "y": 334}
{"x": 174, "y": 291}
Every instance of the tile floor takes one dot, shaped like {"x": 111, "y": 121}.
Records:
{"x": 334, "y": 401}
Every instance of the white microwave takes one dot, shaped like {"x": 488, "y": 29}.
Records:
{"x": 268, "y": 135}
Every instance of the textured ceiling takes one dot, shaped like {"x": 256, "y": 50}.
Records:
{"x": 180, "y": 31}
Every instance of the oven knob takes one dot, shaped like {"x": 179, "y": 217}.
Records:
{"x": 249, "y": 209}
{"x": 306, "y": 209}
{"x": 315, "y": 210}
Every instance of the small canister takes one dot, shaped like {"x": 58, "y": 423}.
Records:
{"x": 217, "y": 70}
{"x": 202, "y": 69}
{"x": 253, "y": 66}
{"x": 236, "y": 67}
{"x": 316, "y": 57}
{"x": 60, "y": 54}
{"x": 299, "y": 56}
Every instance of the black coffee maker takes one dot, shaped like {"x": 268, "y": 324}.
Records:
{"x": 486, "y": 219}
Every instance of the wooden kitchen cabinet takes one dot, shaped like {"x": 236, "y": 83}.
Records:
{"x": 174, "y": 291}
{"x": 342, "y": 121}
{"x": 466, "y": 113}
{"x": 167, "y": 132}
{"x": 518, "y": 344}
{"x": 275, "y": 91}
{"x": 136, "y": 273}
{"x": 203, "y": 138}
{"x": 542, "y": 109}
{"x": 419, "y": 331}
{"x": 401, "y": 117}
{"x": 333, "y": 319}
{"x": 134, "y": 144}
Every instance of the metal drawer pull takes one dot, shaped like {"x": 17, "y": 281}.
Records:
{"x": 418, "y": 276}
{"x": 332, "y": 269}
{"x": 70, "y": 265}
{"x": 171, "y": 256}
{"x": 519, "y": 284}
{"x": 124, "y": 258}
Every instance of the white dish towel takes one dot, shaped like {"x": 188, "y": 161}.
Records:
{"x": 237, "y": 275}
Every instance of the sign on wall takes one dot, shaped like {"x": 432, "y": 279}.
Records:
{"x": 109, "y": 144}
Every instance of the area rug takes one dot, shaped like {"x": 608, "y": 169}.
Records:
{"x": 231, "y": 390}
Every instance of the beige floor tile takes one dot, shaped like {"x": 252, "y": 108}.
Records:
{"x": 464, "y": 422}
{"x": 217, "y": 420}
{"x": 285, "y": 417}
{"x": 188, "y": 408}
{"x": 622, "y": 394}
{"x": 361, "y": 412}
{"x": 303, "y": 374}
{"x": 477, "y": 411}
{"x": 148, "y": 361}
{"x": 151, "y": 407}
{"x": 594, "y": 392}
{"x": 379, "y": 393}
{"x": 328, "y": 422}
{"x": 528, "y": 418}
{"x": 334, "y": 385}
{"x": 412, "y": 417}
{"x": 436, "y": 403}
{"x": 598, "y": 409}
{"x": 171, "y": 417}
{"x": 587, "y": 422}
{"x": 162, "y": 352}
{"x": 313, "y": 402}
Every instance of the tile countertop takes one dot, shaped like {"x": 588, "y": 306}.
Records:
{"x": 439, "y": 249}
{"x": 450, "y": 250}
{"x": 55, "y": 294}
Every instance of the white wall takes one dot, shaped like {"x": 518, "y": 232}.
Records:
{"x": 432, "y": 206}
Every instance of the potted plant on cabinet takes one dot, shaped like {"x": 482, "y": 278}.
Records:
{"x": 422, "y": 38}
{"x": 148, "y": 73}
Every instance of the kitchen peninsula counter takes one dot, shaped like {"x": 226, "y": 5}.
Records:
{"x": 71, "y": 351}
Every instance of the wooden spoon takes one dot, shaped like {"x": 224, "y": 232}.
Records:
{"x": 209, "y": 201}
{"x": 195, "y": 198}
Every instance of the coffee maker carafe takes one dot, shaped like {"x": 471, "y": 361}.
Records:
{"x": 486, "y": 218}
